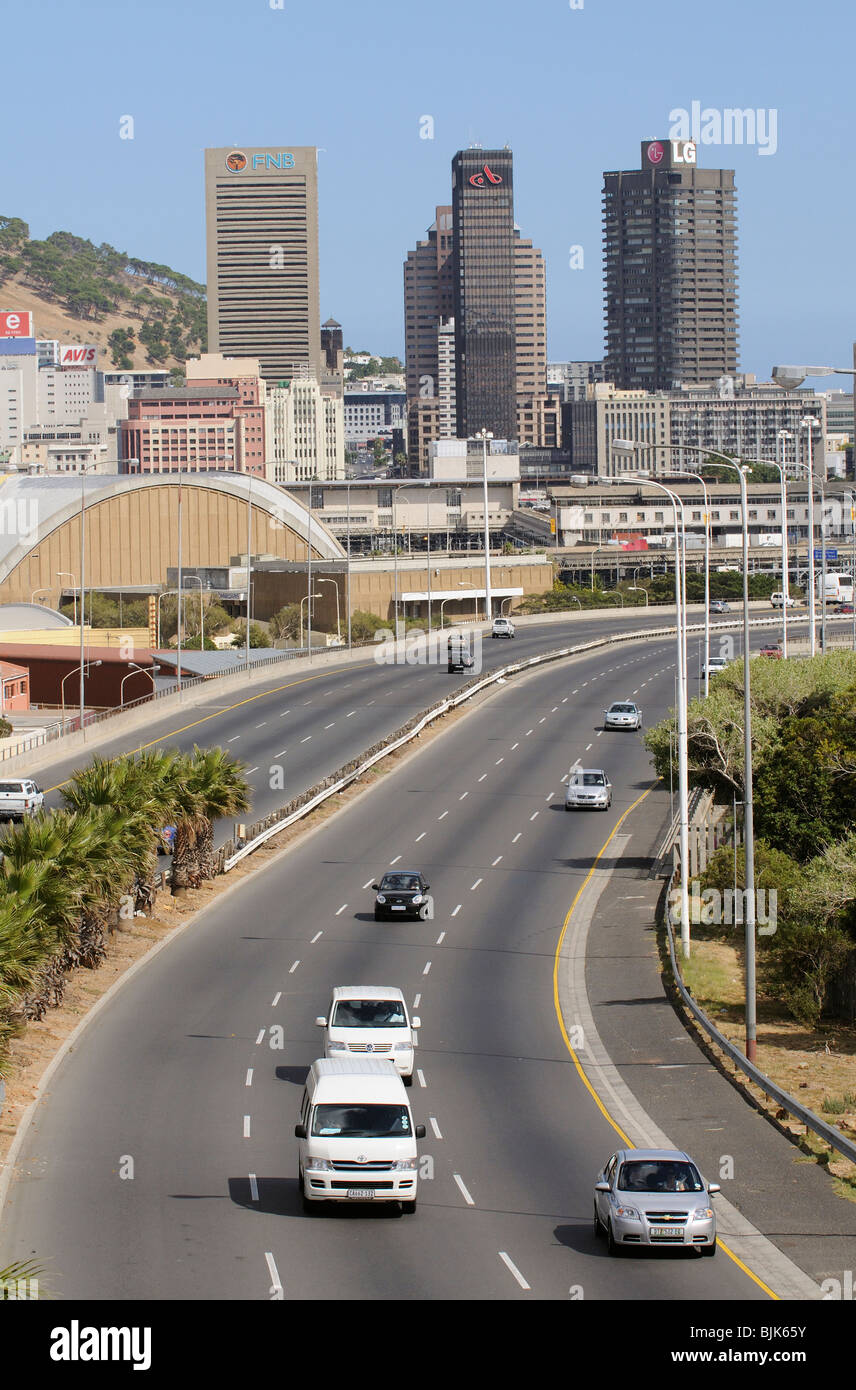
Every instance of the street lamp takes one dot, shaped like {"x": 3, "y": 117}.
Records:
{"x": 131, "y": 673}
{"x": 307, "y": 597}
{"x": 686, "y": 473}
{"x": 783, "y": 494}
{"x": 42, "y": 590}
{"x": 790, "y": 378}
{"x": 336, "y": 587}
{"x": 484, "y": 436}
{"x": 195, "y": 579}
{"x": 821, "y": 483}
{"x": 808, "y": 423}
{"x": 638, "y": 589}
{"x": 59, "y": 575}
{"x": 167, "y": 593}
{"x": 84, "y": 468}
{"x": 72, "y": 672}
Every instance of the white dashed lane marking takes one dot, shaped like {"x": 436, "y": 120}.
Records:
{"x": 509, "y": 1263}
{"x": 464, "y": 1193}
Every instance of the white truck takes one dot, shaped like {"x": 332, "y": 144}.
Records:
{"x": 19, "y": 797}
{"x": 839, "y": 587}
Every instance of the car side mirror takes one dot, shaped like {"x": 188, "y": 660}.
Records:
{"x": 427, "y": 886}
{"x": 713, "y": 1188}
{"x": 375, "y": 887}
{"x": 321, "y": 1022}
{"x": 416, "y": 1022}
{"x": 420, "y": 1131}
{"x": 601, "y": 1187}
{"x": 300, "y": 1131}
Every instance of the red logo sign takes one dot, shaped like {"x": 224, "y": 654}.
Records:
{"x": 478, "y": 180}
{"x": 16, "y": 324}
{"x": 655, "y": 152}
{"x": 78, "y": 356}
{"x": 236, "y": 161}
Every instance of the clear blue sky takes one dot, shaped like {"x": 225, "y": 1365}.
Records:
{"x": 573, "y": 91}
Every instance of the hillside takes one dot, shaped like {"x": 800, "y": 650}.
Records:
{"x": 138, "y": 313}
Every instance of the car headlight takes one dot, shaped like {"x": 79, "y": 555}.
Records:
{"x": 417, "y": 898}
{"x": 405, "y": 1165}
{"x": 318, "y": 1165}
{"x": 703, "y": 1214}
{"x": 627, "y": 1213}
{"x": 337, "y": 1046}
{"x": 380, "y": 898}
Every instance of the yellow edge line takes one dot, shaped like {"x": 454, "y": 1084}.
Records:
{"x": 575, "y": 1059}
{"x": 228, "y": 709}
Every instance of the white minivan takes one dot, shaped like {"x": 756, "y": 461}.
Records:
{"x": 357, "y": 1139}
{"x": 370, "y": 1020}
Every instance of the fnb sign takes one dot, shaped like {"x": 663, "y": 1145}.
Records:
{"x": 273, "y": 161}
{"x": 77, "y": 355}
{"x": 15, "y": 324}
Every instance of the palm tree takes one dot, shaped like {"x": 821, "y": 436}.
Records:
{"x": 223, "y": 791}
{"x": 189, "y": 820}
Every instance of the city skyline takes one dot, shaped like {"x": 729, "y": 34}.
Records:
{"x": 378, "y": 176}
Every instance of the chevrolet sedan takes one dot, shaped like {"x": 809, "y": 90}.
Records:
{"x": 654, "y": 1197}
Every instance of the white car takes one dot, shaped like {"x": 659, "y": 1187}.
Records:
{"x": 20, "y": 797}
{"x": 588, "y": 788}
{"x": 623, "y": 714}
{"x": 778, "y": 601}
{"x": 714, "y": 664}
{"x": 502, "y": 627}
{"x": 370, "y": 1020}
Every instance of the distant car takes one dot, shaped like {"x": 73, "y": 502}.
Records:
{"x": 460, "y": 658}
{"x": 778, "y": 601}
{"x": 720, "y": 606}
{"x": 654, "y": 1197}
{"x": 841, "y": 609}
{"x": 401, "y": 893}
{"x": 588, "y": 788}
{"x": 622, "y": 715}
{"x": 19, "y": 798}
{"x": 772, "y": 649}
{"x": 502, "y": 627}
{"x": 713, "y": 665}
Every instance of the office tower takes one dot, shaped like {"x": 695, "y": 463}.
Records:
{"x": 261, "y": 210}
{"x": 670, "y": 254}
{"x": 483, "y": 278}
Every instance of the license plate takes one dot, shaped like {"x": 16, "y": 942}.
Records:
{"x": 361, "y": 1194}
{"x": 668, "y": 1231}
{"x": 396, "y": 908}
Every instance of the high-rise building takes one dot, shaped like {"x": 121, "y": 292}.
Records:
{"x": 484, "y": 288}
{"x": 304, "y": 431}
{"x": 332, "y": 348}
{"x": 670, "y": 255}
{"x": 261, "y": 210}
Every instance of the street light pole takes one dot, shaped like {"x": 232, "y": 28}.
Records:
{"x": 685, "y": 473}
{"x": 250, "y": 565}
{"x": 808, "y": 423}
{"x": 484, "y": 436}
{"x": 336, "y": 587}
{"x": 59, "y": 575}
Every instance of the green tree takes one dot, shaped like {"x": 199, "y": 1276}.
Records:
{"x": 285, "y": 625}
{"x": 223, "y": 790}
{"x": 258, "y": 636}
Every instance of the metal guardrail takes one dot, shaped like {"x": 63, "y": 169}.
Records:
{"x": 831, "y": 1136}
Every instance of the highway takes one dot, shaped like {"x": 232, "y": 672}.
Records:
{"x": 177, "y": 1077}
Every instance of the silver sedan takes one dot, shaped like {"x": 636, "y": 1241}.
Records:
{"x": 623, "y": 714}
{"x": 654, "y": 1197}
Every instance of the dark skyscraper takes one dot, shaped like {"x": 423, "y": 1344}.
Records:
{"x": 670, "y": 268}
{"x": 483, "y": 278}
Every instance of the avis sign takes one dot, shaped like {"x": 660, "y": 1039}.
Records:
{"x": 78, "y": 355}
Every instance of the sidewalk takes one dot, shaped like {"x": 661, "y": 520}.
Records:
{"x": 773, "y": 1185}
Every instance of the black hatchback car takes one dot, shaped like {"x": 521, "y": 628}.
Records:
{"x": 401, "y": 893}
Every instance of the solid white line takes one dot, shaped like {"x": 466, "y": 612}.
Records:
{"x": 254, "y": 1188}
{"x": 496, "y": 861}
{"x": 274, "y": 1275}
{"x": 440, "y": 938}
{"x": 514, "y": 1270}
{"x": 427, "y": 968}
{"x": 455, "y": 911}
{"x": 417, "y": 1001}
{"x": 537, "y": 813}
{"x": 234, "y": 740}
{"x": 464, "y": 797}
{"x": 464, "y": 1193}
{"x": 444, "y": 815}
{"x": 276, "y": 1000}
{"x": 260, "y": 1038}
{"x": 395, "y": 860}
{"x": 316, "y": 937}
{"x": 294, "y": 967}
{"x": 475, "y": 885}
{"x": 246, "y": 1126}
{"x": 249, "y": 1080}
{"x": 420, "y": 837}
{"x": 435, "y": 1127}
{"x": 421, "y": 1079}
{"x": 341, "y": 909}
{"x": 517, "y": 837}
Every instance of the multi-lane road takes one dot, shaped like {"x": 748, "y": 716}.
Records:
{"x": 162, "y": 1162}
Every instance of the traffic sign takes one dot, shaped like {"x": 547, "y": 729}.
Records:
{"x": 830, "y": 555}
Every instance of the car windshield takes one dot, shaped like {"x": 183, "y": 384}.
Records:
{"x": 622, "y": 709}
{"x": 361, "y": 1121}
{"x": 659, "y": 1175}
{"x": 400, "y": 883}
{"x": 369, "y": 1013}
{"x": 590, "y": 779}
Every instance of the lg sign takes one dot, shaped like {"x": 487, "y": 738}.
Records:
{"x": 75, "y": 355}
{"x": 682, "y": 152}
{"x": 14, "y": 324}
